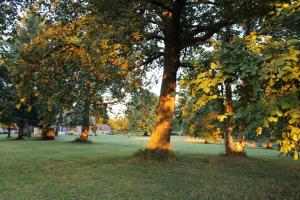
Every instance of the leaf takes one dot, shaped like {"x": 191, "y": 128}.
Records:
{"x": 295, "y": 138}
{"x": 181, "y": 82}
{"x": 221, "y": 118}
{"x": 259, "y": 131}
{"x": 206, "y": 90}
{"x": 272, "y": 119}
{"x": 279, "y": 113}
{"x": 213, "y": 66}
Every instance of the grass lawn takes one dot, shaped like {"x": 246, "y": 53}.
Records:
{"x": 34, "y": 169}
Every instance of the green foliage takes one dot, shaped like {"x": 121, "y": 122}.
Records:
{"x": 14, "y": 109}
{"x": 281, "y": 72}
{"x": 119, "y": 125}
{"x": 69, "y": 71}
{"x": 141, "y": 111}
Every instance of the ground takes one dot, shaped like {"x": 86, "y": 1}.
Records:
{"x": 35, "y": 169}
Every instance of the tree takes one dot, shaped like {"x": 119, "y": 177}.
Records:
{"x": 141, "y": 110}
{"x": 278, "y": 103}
{"x": 264, "y": 97}
{"x": 15, "y": 108}
{"x": 9, "y": 15}
{"x": 68, "y": 70}
{"x": 7, "y": 98}
{"x": 179, "y": 25}
{"x": 119, "y": 125}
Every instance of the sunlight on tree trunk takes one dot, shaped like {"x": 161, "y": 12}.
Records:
{"x": 84, "y": 134}
{"x": 48, "y": 134}
{"x": 160, "y": 138}
{"x": 269, "y": 144}
{"x": 85, "y": 124}
{"x": 240, "y": 145}
{"x": 296, "y": 154}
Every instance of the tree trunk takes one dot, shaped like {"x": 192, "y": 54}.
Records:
{"x": 21, "y": 133}
{"x": 160, "y": 138}
{"x": 296, "y": 156}
{"x": 229, "y": 144}
{"x": 85, "y": 123}
{"x": 48, "y": 133}
{"x": 9, "y": 130}
{"x": 84, "y": 133}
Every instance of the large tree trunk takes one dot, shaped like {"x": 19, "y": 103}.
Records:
{"x": 160, "y": 138}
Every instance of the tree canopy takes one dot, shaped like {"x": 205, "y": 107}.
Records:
{"x": 237, "y": 64}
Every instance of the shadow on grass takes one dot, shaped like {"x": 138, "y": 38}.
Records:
{"x": 154, "y": 155}
{"x": 81, "y": 141}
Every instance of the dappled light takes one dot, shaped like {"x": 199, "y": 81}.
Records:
{"x": 202, "y": 97}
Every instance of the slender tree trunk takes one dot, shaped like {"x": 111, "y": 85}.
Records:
{"x": 21, "y": 132}
{"x": 296, "y": 154}
{"x": 160, "y": 138}
{"x": 85, "y": 123}
{"x": 9, "y": 130}
{"x": 229, "y": 144}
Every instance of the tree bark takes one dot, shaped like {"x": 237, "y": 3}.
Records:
{"x": 229, "y": 144}
{"x": 9, "y": 130}
{"x": 296, "y": 156}
{"x": 48, "y": 133}
{"x": 85, "y": 123}
{"x": 160, "y": 138}
{"x": 171, "y": 19}
{"x": 21, "y": 132}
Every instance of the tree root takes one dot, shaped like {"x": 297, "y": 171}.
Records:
{"x": 155, "y": 154}
{"x": 80, "y": 140}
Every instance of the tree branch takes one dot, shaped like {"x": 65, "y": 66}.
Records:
{"x": 187, "y": 65}
{"x": 209, "y": 28}
{"x": 153, "y": 58}
{"x": 209, "y": 31}
{"x": 161, "y": 5}
{"x": 154, "y": 36}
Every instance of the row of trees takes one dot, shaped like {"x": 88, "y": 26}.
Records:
{"x": 250, "y": 83}
{"x": 79, "y": 55}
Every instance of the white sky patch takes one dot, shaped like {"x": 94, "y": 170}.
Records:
{"x": 117, "y": 111}
{"x": 155, "y": 78}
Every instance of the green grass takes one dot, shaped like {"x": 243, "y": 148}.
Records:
{"x": 35, "y": 169}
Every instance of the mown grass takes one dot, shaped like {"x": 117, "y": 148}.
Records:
{"x": 35, "y": 169}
